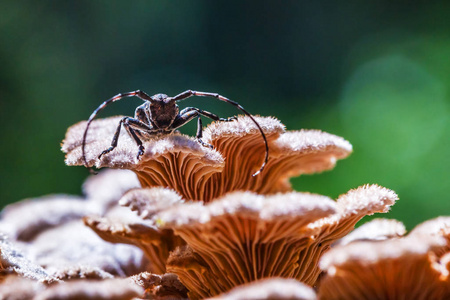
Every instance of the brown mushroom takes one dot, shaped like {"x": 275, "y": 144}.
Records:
{"x": 351, "y": 207}
{"x": 73, "y": 244}
{"x": 199, "y": 173}
{"x": 108, "y": 289}
{"x": 271, "y": 288}
{"x": 107, "y": 187}
{"x": 154, "y": 241}
{"x": 165, "y": 286}
{"x": 404, "y": 268}
{"x": 26, "y": 219}
{"x": 18, "y": 288}
{"x": 244, "y": 237}
{"x": 14, "y": 261}
{"x": 240, "y": 238}
{"x": 375, "y": 230}
{"x": 439, "y": 226}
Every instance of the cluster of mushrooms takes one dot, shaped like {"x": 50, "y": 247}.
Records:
{"x": 189, "y": 222}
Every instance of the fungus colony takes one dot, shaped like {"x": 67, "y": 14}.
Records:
{"x": 187, "y": 221}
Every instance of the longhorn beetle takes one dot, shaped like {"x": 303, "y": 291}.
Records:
{"x": 160, "y": 115}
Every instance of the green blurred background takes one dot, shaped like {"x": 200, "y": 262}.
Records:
{"x": 375, "y": 72}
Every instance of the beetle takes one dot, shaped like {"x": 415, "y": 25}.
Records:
{"x": 159, "y": 115}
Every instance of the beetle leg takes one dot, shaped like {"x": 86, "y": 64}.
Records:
{"x": 132, "y": 126}
{"x": 187, "y": 115}
{"x": 115, "y": 140}
{"x": 200, "y": 134}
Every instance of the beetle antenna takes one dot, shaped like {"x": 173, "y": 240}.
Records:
{"x": 117, "y": 97}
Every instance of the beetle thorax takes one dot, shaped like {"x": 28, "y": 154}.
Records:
{"x": 162, "y": 111}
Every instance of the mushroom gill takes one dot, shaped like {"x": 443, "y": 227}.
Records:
{"x": 241, "y": 238}
{"x": 144, "y": 233}
{"x": 351, "y": 207}
{"x": 404, "y": 268}
{"x": 199, "y": 173}
{"x": 155, "y": 243}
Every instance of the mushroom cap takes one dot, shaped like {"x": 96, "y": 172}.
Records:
{"x": 165, "y": 286}
{"x": 25, "y": 219}
{"x": 72, "y": 272}
{"x": 14, "y": 261}
{"x": 108, "y": 186}
{"x": 155, "y": 243}
{"x": 403, "y": 268}
{"x": 150, "y": 201}
{"x": 439, "y": 226}
{"x": 73, "y": 245}
{"x": 240, "y": 238}
{"x": 375, "y": 230}
{"x": 350, "y": 208}
{"x": 15, "y": 287}
{"x": 200, "y": 173}
{"x": 249, "y": 237}
{"x": 108, "y": 289}
{"x": 271, "y": 288}
{"x": 166, "y": 157}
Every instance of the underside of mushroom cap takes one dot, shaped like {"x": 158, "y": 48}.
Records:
{"x": 350, "y": 208}
{"x": 73, "y": 244}
{"x": 242, "y": 237}
{"x": 404, "y": 268}
{"x": 199, "y": 173}
{"x": 156, "y": 243}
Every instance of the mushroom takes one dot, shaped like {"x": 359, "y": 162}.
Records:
{"x": 24, "y": 220}
{"x": 18, "y": 288}
{"x": 52, "y": 235}
{"x": 165, "y": 286}
{"x": 375, "y": 230}
{"x": 155, "y": 243}
{"x": 15, "y": 287}
{"x": 243, "y": 237}
{"x": 240, "y": 238}
{"x": 404, "y": 268}
{"x": 73, "y": 244}
{"x": 350, "y": 208}
{"x": 200, "y": 173}
{"x": 108, "y": 289}
{"x": 105, "y": 189}
{"x": 271, "y": 288}
{"x": 14, "y": 261}
{"x": 439, "y": 226}
{"x": 143, "y": 232}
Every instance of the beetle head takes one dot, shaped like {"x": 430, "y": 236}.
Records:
{"x": 163, "y": 111}
{"x": 161, "y": 98}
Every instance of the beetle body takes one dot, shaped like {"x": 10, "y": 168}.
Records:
{"x": 159, "y": 114}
